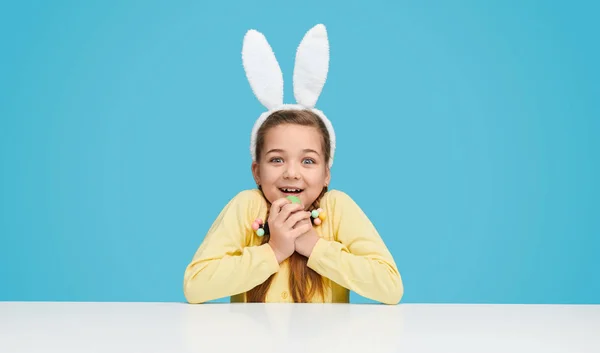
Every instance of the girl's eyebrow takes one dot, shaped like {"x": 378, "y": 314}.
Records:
{"x": 278, "y": 150}
{"x": 308, "y": 150}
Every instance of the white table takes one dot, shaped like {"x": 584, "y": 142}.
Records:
{"x": 178, "y": 327}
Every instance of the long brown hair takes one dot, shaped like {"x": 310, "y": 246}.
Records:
{"x": 304, "y": 282}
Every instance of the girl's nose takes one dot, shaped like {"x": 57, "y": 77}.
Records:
{"x": 291, "y": 172}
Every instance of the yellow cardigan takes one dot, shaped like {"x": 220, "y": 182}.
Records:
{"x": 349, "y": 256}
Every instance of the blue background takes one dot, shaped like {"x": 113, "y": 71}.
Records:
{"x": 468, "y": 132}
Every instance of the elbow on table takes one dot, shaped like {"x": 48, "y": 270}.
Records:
{"x": 192, "y": 295}
{"x": 395, "y": 292}
{"x": 195, "y": 290}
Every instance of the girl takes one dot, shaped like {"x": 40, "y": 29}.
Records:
{"x": 291, "y": 239}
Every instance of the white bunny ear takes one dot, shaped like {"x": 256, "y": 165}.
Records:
{"x": 312, "y": 64}
{"x": 262, "y": 70}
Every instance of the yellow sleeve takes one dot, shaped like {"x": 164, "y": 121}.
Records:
{"x": 358, "y": 260}
{"x": 224, "y": 265}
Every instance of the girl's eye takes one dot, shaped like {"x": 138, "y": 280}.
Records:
{"x": 309, "y": 161}
{"x": 276, "y": 160}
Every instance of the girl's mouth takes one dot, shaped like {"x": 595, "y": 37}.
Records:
{"x": 291, "y": 191}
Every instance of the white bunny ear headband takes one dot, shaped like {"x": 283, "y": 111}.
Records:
{"x": 266, "y": 80}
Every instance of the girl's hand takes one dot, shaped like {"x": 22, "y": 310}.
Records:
{"x": 285, "y": 226}
{"x": 307, "y": 241}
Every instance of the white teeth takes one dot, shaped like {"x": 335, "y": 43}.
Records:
{"x": 290, "y": 190}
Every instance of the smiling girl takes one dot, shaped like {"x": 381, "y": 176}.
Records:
{"x": 291, "y": 239}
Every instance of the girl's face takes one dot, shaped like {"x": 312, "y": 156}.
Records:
{"x": 292, "y": 163}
